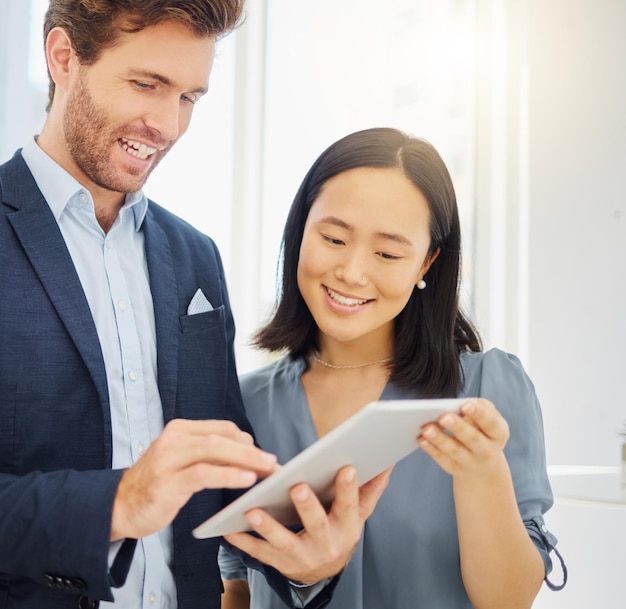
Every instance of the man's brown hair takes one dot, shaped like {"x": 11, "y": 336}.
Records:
{"x": 94, "y": 25}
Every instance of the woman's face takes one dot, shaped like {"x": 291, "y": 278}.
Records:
{"x": 364, "y": 248}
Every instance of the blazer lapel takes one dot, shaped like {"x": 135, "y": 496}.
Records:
{"x": 165, "y": 302}
{"x": 39, "y": 234}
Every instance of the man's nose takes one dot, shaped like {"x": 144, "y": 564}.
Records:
{"x": 164, "y": 117}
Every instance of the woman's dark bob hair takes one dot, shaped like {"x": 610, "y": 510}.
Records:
{"x": 431, "y": 331}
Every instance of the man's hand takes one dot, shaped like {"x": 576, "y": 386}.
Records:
{"x": 326, "y": 543}
{"x": 188, "y": 456}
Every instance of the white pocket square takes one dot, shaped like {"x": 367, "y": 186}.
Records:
{"x": 199, "y": 304}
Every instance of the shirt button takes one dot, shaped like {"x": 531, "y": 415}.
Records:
{"x": 121, "y": 305}
{"x": 83, "y": 197}
{"x": 132, "y": 375}
{"x": 152, "y": 598}
{"x": 141, "y": 449}
{"x": 109, "y": 244}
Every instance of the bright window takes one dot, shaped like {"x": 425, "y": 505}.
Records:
{"x": 337, "y": 67}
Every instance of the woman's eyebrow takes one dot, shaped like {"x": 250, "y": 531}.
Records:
{"x": 336, "y": 222}
{"x": 396, "y": 237}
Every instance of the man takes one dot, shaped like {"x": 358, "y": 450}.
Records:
{"x": 122, "y": 426}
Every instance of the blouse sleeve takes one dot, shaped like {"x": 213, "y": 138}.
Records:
{"x": 501, "y": 378}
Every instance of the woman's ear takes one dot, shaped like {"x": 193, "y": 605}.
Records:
{"x": 427, "y": 264}
{"x": 59, "y": 55}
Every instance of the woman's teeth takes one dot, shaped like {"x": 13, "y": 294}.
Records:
{"x": 343, "y": 300}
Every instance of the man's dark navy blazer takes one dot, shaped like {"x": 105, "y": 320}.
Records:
{"x": 56, "y": 482}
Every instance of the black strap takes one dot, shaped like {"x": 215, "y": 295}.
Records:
{"x": 557, "y": 587}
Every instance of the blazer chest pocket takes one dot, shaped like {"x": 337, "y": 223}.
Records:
{"x": 202, "y": 345}
{"x": 203, "y": 356}
{"x": 209, "y": 320}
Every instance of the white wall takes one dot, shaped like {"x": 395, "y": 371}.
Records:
{"x": 577, "y": 238}
{"x": 551, "y": 249}
{"x": 551, "y": 258}
{"x": 22, "y": 103}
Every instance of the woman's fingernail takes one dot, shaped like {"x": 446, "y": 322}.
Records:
{"x": 447, "y": 420}
{"x": 302, "y": 494}
{"x": 350, "y": 475}
{"x": 430, "y": 433}
{"x": 469, "y": 408}
{"x": 254, "y": 519}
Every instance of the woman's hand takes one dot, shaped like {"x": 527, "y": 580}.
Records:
{"x": 475, "y": 440}
{"x": 326, "y": 543}
{"x": 500, "y": 565}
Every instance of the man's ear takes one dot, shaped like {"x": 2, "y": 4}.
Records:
{"x": 59, "y": 55}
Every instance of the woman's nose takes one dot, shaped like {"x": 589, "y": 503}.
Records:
{"x": 352, "y": 271}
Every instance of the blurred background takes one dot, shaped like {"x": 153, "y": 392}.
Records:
{"x": 524, "y": 99}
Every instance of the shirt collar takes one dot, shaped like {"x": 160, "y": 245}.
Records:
{"x": 59, "y": 187}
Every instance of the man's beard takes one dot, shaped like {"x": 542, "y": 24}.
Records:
{"x": 90, "y": 139}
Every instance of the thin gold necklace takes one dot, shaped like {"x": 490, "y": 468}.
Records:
{"x": 335, "y": 367}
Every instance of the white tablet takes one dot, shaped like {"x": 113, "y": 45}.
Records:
{"x": 377, "y": 436}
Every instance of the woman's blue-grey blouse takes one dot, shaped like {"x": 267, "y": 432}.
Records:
{"x": 408, "y": 555}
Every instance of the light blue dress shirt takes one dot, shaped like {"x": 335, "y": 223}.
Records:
{"x": 114, "y": 275}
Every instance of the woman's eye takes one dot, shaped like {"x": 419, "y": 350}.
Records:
{"x": 333, "y": 240}
{"x": 386, "y": 256}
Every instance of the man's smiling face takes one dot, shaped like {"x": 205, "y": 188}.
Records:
{"x": 124, "y": 112}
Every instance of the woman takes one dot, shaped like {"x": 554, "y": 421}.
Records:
{"x": 369, "y": 310}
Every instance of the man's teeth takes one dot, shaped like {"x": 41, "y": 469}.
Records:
{"x": 343, "y": 300}
{"x": 136, "y": 149}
